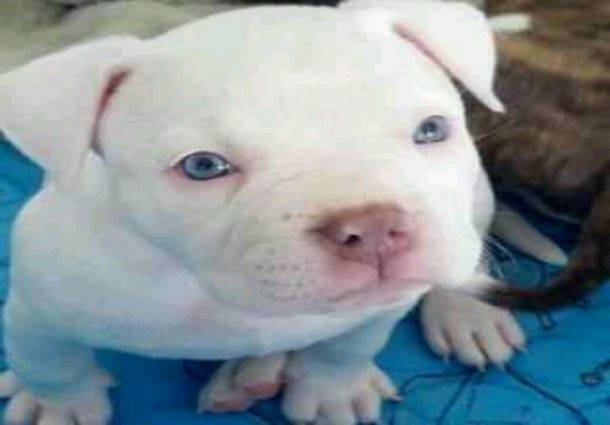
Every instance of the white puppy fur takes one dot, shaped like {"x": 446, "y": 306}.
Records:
{"x": 328, "y": 226}
{"x": 31, "y": 28}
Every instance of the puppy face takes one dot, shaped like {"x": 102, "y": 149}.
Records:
{"x": 314, "y": 164}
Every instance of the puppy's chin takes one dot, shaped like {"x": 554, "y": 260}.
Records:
{"x": 383, "y": 295}
{"x": 328, "y": 296}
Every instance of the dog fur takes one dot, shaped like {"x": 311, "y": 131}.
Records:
{"x": 308, "y": 246}
{"x": 555, "y": 80}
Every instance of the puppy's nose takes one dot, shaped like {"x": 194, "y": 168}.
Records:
{"x": 368, "y": 235}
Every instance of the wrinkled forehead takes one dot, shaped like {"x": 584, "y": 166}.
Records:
{"x": 321, "y": 78}
{"x": 319, "y": 70}
{"x": 339, "y": 101}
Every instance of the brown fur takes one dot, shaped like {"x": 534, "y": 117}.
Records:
{"x": 555, "y": 138}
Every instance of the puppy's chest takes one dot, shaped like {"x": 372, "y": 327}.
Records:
{"x": 202, "y": 329}
{"x": 173, "y": 318}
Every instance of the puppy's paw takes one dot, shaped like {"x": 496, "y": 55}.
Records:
{"x": 324, "y": 400}
{"x": 477, "y": 333}
{"x": 238, "y": 384}
{"x": 87, "y": 407}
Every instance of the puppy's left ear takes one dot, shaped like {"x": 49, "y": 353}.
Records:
{"x": 51, "y": 107}
{"x": 454, "y": 35}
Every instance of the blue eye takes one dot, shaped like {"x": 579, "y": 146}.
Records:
{"x": 205, "y": 166}
{"x": 432, "y": 130}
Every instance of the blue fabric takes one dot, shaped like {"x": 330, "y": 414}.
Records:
{"x": 560, "y": 380}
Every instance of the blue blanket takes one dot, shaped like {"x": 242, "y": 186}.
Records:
{"x": 560, "y": 380}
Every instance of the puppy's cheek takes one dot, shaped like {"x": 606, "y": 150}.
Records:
{"x": 441, "y": 257}
{"x": 451, "y": 248}
{"x": 460, "y": 260}
{"x": 282, "y": 271}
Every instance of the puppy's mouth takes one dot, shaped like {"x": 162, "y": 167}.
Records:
{"x": 372, "y": 291}
{"x": 328, "y": 283}
{"x": 377, "y": 278}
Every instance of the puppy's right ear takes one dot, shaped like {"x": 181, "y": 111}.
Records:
{"x": 51, "y": 107}
{"x": 454, "y": 35}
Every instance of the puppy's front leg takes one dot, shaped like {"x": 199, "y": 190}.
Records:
{"x": 477, "y": 333}
{"x": 336, "y": 382}
{"x": 52, "y": 380}
{"x": 238, "y": 384}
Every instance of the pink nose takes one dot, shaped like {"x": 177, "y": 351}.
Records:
{"x": 368, "y": 235}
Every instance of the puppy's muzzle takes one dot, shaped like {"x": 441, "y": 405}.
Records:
{"x": 369, "y": 235}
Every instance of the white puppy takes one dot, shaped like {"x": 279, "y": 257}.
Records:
{"x": 265, "y": 180}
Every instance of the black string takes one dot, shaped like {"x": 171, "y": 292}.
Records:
{"x": 548, "y": 395}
